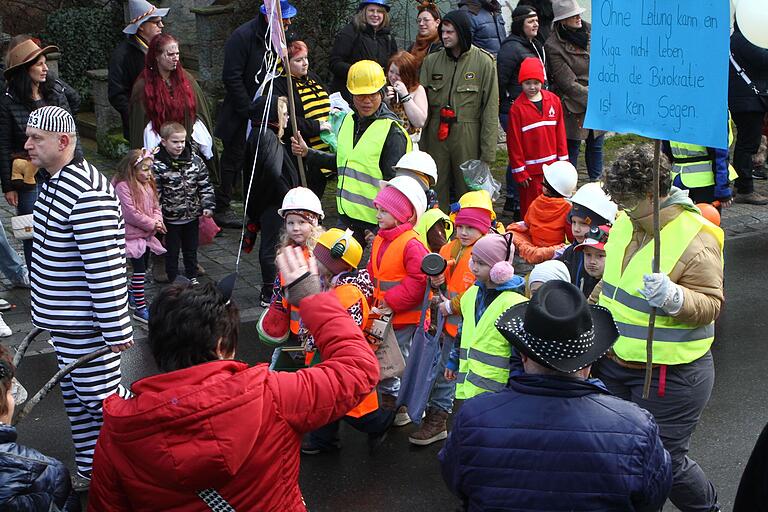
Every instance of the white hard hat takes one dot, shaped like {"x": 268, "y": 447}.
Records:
{"x": 562, "y": 177}
{"x": 592, "y": 196}
{"x": 410, "y": 189}
{"x": 418, "y": 161}
{"x": 301, "y": 198}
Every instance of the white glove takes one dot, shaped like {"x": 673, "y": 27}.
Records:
{"x": 662, "y": 293}
{"x": 381, "y": 310}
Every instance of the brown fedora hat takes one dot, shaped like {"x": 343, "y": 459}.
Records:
{"x": 24, "y": 53}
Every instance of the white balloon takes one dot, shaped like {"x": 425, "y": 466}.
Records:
{"x": 752, "y": 18}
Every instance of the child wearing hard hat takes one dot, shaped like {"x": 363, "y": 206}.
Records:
{"x": 545, "y": 227}
{"x": 421, "y": 167}
{"x": 472, "y": 222}
{"x": 338, "y": 254}
{"x": 301, "y": 212}
{"x": 536, "y": 132}
{"x": 593, "y": 262}
{"x": 395, "y": 267}
{"x": 590, "y": 207}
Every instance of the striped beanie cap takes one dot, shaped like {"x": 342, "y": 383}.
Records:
{"x": 52, "y": 119}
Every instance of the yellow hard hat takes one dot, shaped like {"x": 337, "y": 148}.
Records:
{"x": 342, "y": 245}
{"x": 478, "y": 199}
{"x": 365, "y": 77}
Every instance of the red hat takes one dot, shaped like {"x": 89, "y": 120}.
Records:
{"x": 396, "y": 203}
{"x": 596, "y": 237}
{"x": 531, "y": 69}
{"x": 478, "y": 218}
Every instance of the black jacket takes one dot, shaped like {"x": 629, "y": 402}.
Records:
{"x": 513, "y": 51}
{"x": 753, "y": 487}
{"x": 30, "y": 481}
{"x": 395, "y": 146}
{"x": 352, "y": 45}
{"x": 242, "y": 73}
{"x": 13, "y": 126}
{"x": 274, "y": 170}
{"x": 125, "y": 65}
{"x": 754, "y": 60}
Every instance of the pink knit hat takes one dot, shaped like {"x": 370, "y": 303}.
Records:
{"x": 478, "y": 218}
{"x": 396, "y": 203}
{"x": 498, "y": 251}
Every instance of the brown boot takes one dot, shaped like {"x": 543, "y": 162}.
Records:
{"x": 158, "y": 269}
{"x": 752, "y": 198}
{"x": 432, "y": 429}
{"x": 388, "y": 402}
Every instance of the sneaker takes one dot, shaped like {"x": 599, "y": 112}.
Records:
{"x": 131, "y": 300}
{"x": 141, "y": 315}
{"x": 227, "y": 219}
{"x": 5, "y": 305}
{"x": 759, "y": 174}
{"x": 402, "y": 418}
{"x": 433, "y": 428}
{"x": 308, "y": 447}
{"x": 266, "y": 296}
{"x": 5, "y": 331}
{"x": 751, "y": 198}
{"x": 194, "y": 281}
{"x": 80, "y": 483}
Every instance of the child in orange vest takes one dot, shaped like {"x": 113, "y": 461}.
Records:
{"x": 471, "y": 224}
{"x": 338, "y": 254}
{"x": 395, "y": 268}
{"x": 545, "y": 227}
{"x": 280, "y": 322}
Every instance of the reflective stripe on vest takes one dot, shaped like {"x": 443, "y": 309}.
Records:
{"x": 674, "y": 342}
{"x": 358, "y": 167}
{"x": 458, "y": 279}
{"x": 390, "y": 272}
{"x": 693, "y": 163}
{"x": 484, "y": 353}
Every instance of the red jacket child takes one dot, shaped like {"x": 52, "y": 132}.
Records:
{"x": 535, "y": 136}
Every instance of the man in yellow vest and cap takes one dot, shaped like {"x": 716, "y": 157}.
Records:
{"x": 687, "y": 294}
{"x": 371, "y": 140}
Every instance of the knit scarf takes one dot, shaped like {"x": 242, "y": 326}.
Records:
{"x": 421, "y": 46}
{"x": 577, "y": 37}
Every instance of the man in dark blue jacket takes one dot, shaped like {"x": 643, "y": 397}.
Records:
{"x": 555, "y": 439}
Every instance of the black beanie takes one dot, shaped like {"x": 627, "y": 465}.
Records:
{"x": 519, "y": 15}
{"x": 588, "y": 215}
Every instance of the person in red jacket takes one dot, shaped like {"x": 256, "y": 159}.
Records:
{"x": 536, "y": 132}
{"x": 212, "y": 428}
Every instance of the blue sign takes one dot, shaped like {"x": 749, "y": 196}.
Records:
{"x": 659, "y": 68}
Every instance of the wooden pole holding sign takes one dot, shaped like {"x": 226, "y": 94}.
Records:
{"x": 291, "y": 100}
{"x": 655, "y": 265}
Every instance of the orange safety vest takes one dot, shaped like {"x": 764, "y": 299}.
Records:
{"x": 458, "y": 279}
{"x": 294, "y": 321}
{"x": 390, "y": 272}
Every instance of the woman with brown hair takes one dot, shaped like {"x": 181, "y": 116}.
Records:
{"x": 428, "y": 37}
{"x": 405, "y": 95}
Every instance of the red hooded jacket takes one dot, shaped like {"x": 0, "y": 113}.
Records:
{"x": 228, "y": 426}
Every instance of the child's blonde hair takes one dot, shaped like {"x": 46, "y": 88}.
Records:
{"x": 285, "y": 239}
{"x": 127, "y": 171}
{"x": 171, "y": 128}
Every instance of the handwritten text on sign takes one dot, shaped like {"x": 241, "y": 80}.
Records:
{"x": 659, "y": 68}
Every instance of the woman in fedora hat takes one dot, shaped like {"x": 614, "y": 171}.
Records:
{"x": 567, "y": 50}
{"x": 554, "y": 439}
{"x": 29, "y": 87}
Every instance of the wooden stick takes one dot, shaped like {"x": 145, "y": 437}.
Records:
{"x": 291, "y": 100}
{"x": 655, "y": 269}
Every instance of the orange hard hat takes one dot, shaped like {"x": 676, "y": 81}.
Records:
{"x": 709, "y": 212}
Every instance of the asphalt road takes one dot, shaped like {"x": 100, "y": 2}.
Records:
{"x": 403, "y": 478}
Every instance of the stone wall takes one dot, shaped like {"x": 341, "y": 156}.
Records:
{"x": 213, "y": 24}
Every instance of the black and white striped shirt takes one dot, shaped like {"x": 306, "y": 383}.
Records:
{"x": 78, "y": 256}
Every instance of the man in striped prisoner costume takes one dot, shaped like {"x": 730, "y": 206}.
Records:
{"x": 78, "y": 276}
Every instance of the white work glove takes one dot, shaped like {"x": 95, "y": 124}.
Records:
{"x": 445, "y": 307}
{"x": 662, "y": 293}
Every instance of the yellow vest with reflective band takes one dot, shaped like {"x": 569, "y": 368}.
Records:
{"x": 358, "y": 167}
{"x": 484, "y": 354}
{"x": 674, "y": 342}
{"x": 693, "y": 163}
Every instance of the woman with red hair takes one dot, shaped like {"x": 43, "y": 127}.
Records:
{"x": 165, "y": 92}
{"x": 405, "y": 95}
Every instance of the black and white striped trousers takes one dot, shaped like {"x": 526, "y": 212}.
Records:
{"x": 85, "y": 389}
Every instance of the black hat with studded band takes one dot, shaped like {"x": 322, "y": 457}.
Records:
{"x": 558, "y": 329}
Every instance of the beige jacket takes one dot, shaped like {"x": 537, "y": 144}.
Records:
{"x": 699, "y": 271}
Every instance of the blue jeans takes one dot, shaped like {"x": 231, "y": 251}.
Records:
{"x": 443, "y": 390}
{"x": 510, "y": 185}
{"x": 404, "y": 335}
{"x": 593, "y": 154}
{"x": 10, "y": 263}
{"x": 26, "y": 204}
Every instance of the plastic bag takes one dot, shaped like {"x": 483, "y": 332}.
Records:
{"x": 207, "y": 230}
{"x": 477, "y": 176}
{"x": 334, "y": 118}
